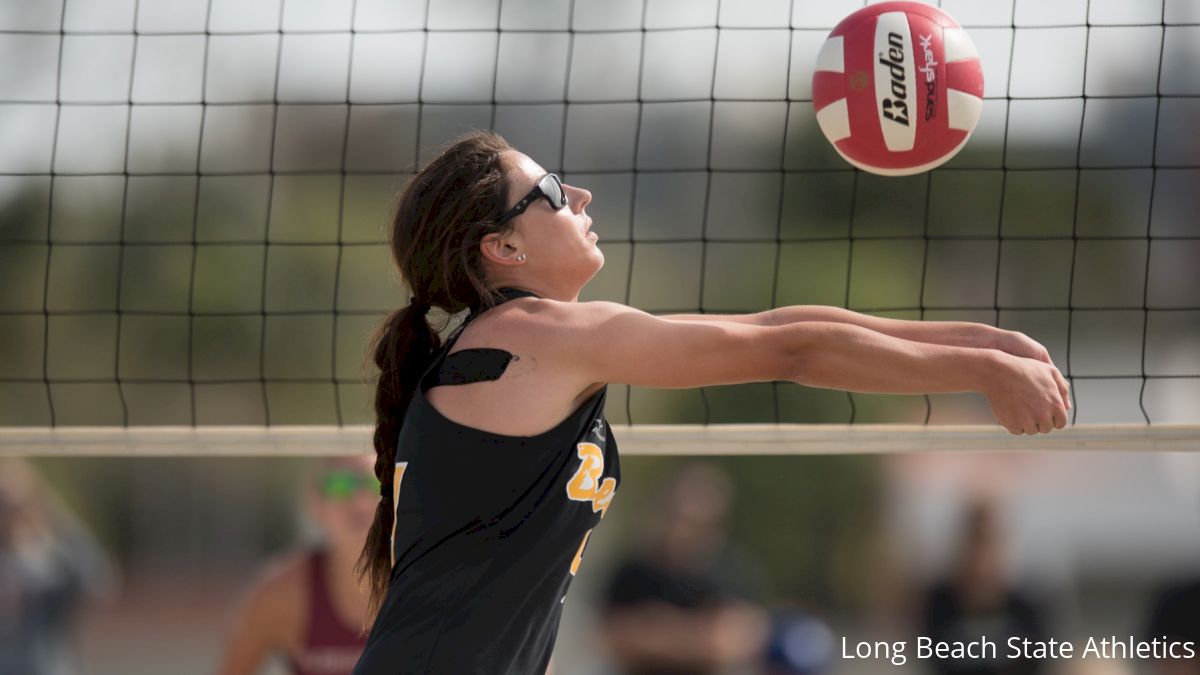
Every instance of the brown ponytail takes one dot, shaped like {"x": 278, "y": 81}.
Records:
{"x": 436, "y": 230}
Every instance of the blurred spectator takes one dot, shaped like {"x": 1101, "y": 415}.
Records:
{"x": 307, "y": 607}
{"x": 978, "y": 600}
{"x": 1175, "y": 615}
{"x": 49, "y": 565}
{"x": 685, "y": 604}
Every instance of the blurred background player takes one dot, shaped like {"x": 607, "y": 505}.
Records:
{"x": 49, "y": 566}
{"x": 308, "y": 607}
{"x": 1175, "y": 616}
{"x": 686, "y": 602}
{"x": 977, "y": 599}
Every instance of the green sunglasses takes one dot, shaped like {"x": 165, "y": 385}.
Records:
{"x": 343, "y": 485}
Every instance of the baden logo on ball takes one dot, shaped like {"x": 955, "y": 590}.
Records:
{"x": 898, "y": 88}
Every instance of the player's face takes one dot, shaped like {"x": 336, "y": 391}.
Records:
{"x": 344, "y": 496}
{"x": 557, "y": 243}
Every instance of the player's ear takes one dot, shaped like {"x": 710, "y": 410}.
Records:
{"x": 501, "y": 249}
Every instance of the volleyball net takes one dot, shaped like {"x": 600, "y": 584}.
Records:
{"x": 194, "y": 198}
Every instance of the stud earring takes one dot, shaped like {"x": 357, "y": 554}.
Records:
{"x": 521, "y": 257}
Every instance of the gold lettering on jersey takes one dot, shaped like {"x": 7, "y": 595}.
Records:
{"x": 586, "y": 485}
{"x": 397, "y": 476}
{"x": 579, "y": 554}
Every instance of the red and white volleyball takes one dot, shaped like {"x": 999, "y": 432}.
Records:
{"x": 898, "y": 88}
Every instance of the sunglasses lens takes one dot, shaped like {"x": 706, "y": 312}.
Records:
{"x": 553, "y": 189}
{"x": 341, "y": 485}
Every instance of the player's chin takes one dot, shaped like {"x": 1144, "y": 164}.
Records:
{"x": 593, "y": 259}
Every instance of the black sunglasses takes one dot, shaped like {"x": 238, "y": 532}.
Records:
{"x": 550, "y": 187}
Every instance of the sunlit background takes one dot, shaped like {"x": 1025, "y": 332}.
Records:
{"x": 194, "y": 197}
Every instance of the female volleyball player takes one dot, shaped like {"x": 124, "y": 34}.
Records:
{"x": 307, "y": 607}
{"x": 492, "y": 449}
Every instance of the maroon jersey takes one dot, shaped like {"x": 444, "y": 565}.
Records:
{"x": 329, "y": 647}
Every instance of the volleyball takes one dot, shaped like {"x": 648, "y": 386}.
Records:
{"x": 898, "y": 88}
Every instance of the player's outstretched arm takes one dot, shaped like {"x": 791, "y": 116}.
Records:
{"x": 610, "y": 342}
{"x": 956, "y": 333}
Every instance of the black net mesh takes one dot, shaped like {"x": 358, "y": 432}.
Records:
{"x": 194, "y": 193}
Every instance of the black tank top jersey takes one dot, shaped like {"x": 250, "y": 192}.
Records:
{"x": 490, "y": 530}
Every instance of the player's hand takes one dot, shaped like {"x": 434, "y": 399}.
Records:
{"x": 1028, "y": 396}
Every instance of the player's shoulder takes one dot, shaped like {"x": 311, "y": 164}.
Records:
{"x": 550, "y": 315}
{"x": 546, "y": 321}
{"x": 546, "y": 326}
{"x": 277, "y": 601}
{"x": 281, "y": 579}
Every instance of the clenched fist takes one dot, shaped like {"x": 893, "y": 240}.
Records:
{"x": 1027, "y": 395}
